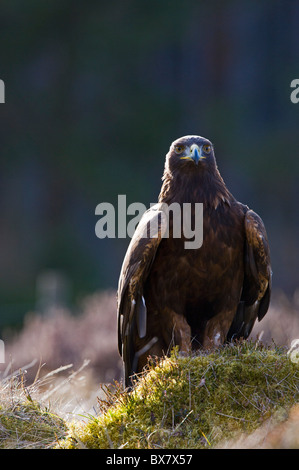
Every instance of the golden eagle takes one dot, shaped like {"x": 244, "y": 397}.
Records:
{"x": 194, "y": 298}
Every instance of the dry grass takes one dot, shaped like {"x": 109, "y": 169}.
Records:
{"x": 196, "y": 402}
{"x": 276, "y": 433}
{"x": 64, "y": 342}
{"x": 61, "y": 338}
{"x": 64, "y": 359}
{"x": 25, "y": 421}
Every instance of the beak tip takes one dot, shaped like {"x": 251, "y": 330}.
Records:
{"x": 196, "y": 156}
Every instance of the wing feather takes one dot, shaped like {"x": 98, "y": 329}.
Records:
{"x": 256, "y": 293}
{"x": 138, "y": 260}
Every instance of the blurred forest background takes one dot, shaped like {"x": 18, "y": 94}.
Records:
{"x": 95, "y": 92}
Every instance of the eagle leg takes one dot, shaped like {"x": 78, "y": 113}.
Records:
{"x": 216, "y": 329}
{"x": 176, "y": 331}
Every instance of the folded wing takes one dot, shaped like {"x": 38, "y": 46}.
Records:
{"x": 131, "y": 308}
{"x": 255, "y": 297}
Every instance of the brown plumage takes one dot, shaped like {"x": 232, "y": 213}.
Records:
{"x": 195, "y": 298}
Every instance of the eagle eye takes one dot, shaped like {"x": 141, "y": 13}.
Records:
{"x": 206, "y": 148}
{"x": 179, "y": 149}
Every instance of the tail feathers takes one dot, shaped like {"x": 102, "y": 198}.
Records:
{"x": 131, "y": 370}
{"x": 243, "y": 321}
{"x": 136, "y": 330}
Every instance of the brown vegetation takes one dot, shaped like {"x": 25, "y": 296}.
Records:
{"x": 88, "y": 340}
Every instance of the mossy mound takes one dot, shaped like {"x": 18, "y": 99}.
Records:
{"x": 24, "y": 424}
{"x": 195, "y": 402}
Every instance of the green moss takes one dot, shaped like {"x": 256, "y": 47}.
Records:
{"x": 24, "y": 424}
{"x": 194, "y": 402}
{"x": 183, "y": 402}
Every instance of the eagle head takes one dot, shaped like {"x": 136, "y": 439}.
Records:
{"x": 191, "y": 152}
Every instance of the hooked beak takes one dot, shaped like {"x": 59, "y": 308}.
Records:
{"x": 195, "y": 154}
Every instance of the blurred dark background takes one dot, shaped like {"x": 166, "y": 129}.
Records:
{"x": 95, "y": 93}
